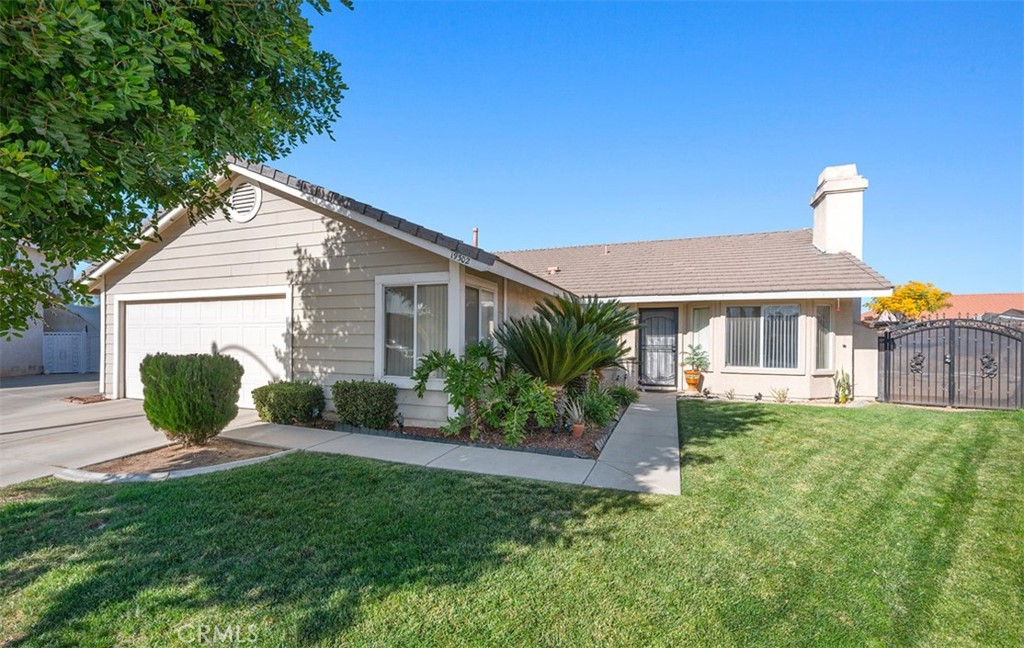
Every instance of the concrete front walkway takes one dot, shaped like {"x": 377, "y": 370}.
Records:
{"x": 641, "y": 455}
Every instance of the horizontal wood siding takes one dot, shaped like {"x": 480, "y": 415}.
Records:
{"x": 331, "y": 264}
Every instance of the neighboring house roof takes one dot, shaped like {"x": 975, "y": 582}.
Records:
{"x": 972, "y": 305}
{"x": 742, "y": 264}
{"x": 980, "y": 304}
{"x": 348, "y": 207}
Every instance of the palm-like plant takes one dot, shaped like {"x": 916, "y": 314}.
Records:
{"x": 559, "y": 350}
{"x": 608, "y": 316}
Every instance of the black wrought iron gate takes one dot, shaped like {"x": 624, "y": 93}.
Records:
{"x": 658, "y": 333}
{"x": 954, "y": 363}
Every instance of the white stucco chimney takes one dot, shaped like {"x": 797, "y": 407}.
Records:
{"x": 839, "y": 210}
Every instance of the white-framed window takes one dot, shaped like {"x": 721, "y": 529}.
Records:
{"x": 823, "y": 338}
{"x": 700, "y": 326}
{"x": 481, "y": 308}
{"x": 762, "y": 336}
{"x": 412, "y": 320}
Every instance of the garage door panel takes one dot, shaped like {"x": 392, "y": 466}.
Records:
{"x": 250, "y": 330}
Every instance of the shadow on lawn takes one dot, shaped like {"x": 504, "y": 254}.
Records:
{"x": 309, "y": 538}
{"x": 702, "y": 424}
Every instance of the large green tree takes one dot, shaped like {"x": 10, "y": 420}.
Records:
{"x": 111, "y": 111}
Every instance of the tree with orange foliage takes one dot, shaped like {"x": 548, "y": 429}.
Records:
{"x": 911, "y": 300}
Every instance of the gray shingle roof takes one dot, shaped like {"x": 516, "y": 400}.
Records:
{"x": 335, "y": 198}
{"x": 742, "y": 263}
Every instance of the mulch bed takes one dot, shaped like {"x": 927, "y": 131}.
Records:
{"x": 560, "y": 444}
{"x": 86, "y": 400}
{"x": 175, "y": 457}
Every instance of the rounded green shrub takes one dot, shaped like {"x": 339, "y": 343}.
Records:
{"x": 289, "y": 402}
{"x": 365, "y": 404}
{"x": 190, "y": 398}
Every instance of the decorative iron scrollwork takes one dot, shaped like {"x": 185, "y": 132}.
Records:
{"x": 989, "y": 366}
{"x": 917, "y": 363}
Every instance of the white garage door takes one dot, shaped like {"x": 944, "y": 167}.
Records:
{"x": 251, "y": 330}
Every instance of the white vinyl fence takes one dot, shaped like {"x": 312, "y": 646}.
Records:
{"x": 68, "y": 353}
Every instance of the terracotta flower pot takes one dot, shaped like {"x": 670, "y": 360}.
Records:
{"x": 577, "y": 430}
{"x": 692, "y": 379}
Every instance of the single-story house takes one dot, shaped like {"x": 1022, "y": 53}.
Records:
{"x": 300, "y": 282}
{"x": 776, "y": 310}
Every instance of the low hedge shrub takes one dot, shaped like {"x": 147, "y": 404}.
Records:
{"x": 190, "y": 398}
{"x": 365, "y": 404}
{"x": 289, "y": 402}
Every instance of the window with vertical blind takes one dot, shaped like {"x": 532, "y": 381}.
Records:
{"x": 762, "y": 336}
{"x": 823, "y": 338}
{"x": 415, "y": 323}
{"x": 700, "y": 328}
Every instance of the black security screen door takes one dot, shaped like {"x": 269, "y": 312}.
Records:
{"x": 658, "y": 351}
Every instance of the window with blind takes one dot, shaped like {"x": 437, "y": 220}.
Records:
{"x": 762, "y": 336}
{"x": 823, "y": 341}
{"x": 700, "y": 321}
{"x": 415, "y": 323}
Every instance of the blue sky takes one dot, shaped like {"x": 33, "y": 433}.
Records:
{"x": 563, "y": 124}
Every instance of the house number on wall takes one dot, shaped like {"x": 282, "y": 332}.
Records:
{"x": 461, "y": 258}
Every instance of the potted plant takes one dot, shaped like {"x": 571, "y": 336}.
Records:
{"x": 696, "y": 358}
{"x": 574, "y": 412}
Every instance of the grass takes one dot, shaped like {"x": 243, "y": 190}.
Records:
{"x": 797, "y": 526}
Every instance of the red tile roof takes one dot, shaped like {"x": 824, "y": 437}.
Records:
{"x": 982, "y": 303}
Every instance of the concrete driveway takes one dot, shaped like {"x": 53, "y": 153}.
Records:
{"x": 41, "y": 434}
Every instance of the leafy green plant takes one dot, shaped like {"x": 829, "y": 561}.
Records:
{"x": 190, "y": 398}
{"x": 696, "y": 358}
{"x": 623, "y": 396}
{"x": 289, "y": 402}
{"x": 780, "y": 394}
{"x": 599, "y": 408}
{"x": 516, "y": 400}
{"x": 559, "y": 351}
{"x": 843, "y": 387}
{"x": 466, "y": 381}
{"x": 730, "y": 393}
{"x": 364, "y": 403}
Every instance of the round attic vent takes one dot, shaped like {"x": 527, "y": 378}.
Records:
{"x": 244, "y": 202}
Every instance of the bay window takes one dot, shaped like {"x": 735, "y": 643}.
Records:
{"x": 762, "y": 336}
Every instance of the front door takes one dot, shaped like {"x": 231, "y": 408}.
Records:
{"x": 658, "y": 335}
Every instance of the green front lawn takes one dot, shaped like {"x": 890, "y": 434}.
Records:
{"x": 797, "y": 525}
